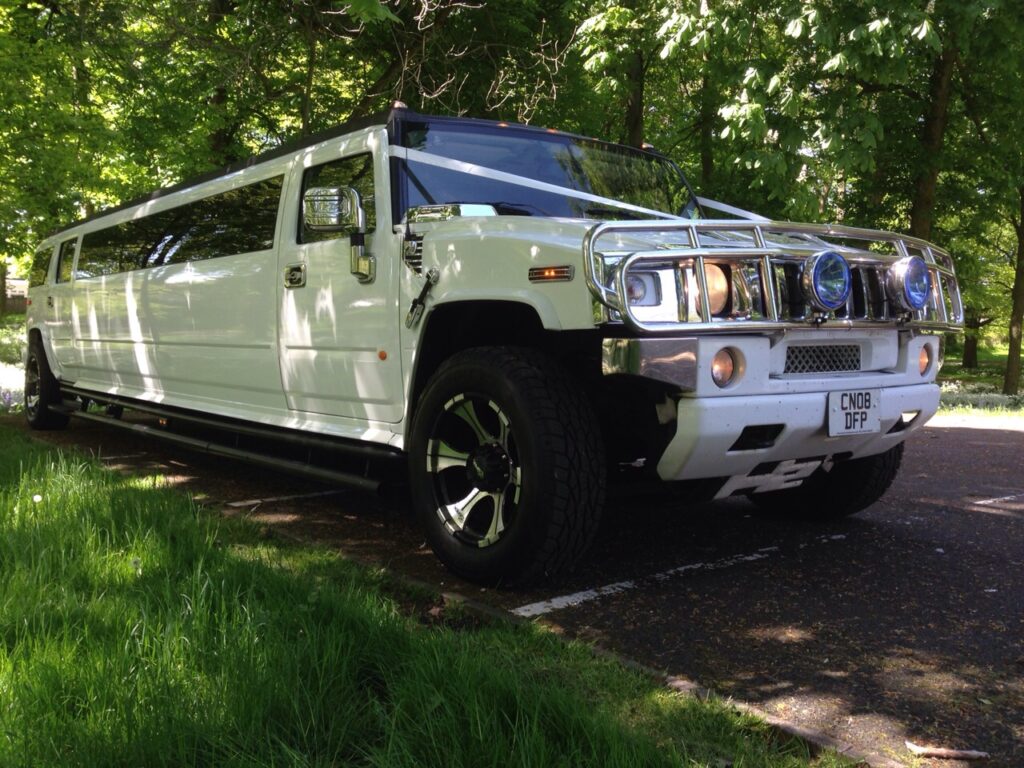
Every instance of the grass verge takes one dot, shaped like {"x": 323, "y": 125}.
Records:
{"x": 138, "y": 629}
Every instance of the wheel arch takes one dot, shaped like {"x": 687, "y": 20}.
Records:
{"x": 454, "y": 326}
{"x": 33, "y": 335}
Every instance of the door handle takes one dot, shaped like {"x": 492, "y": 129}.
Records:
{"x": 295, "y": 276}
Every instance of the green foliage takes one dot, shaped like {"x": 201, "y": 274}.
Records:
{"x": 140, "y": 630}
{"x": 12, "y": 338}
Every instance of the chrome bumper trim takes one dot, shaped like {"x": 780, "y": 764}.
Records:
{"x": 671, "y": 361}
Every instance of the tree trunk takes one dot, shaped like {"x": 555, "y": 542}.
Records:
{"x": 970, "y": 349}
{"x": 221, "y": 137}
{"x": 932, "y": 135}
{"x": 707, "y": 116}
{"x": 635, "y": 72}
{"x": 973, "y": 323}
{"x": 306, "y": 107}
{"x": 1011, "y": 384}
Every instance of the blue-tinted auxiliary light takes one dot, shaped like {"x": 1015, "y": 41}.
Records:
{"x": 910, "y": 283}
{"x": 826, "y": 280}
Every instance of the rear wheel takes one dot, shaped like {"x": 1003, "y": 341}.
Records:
{"x": 507, "y": 466}
{"x": 42, "y": 390}
{"x": 844, "y": 489}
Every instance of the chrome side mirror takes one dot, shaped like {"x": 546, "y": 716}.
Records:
{"x": 333, "y": 209}
{"x": 340, "y": 209}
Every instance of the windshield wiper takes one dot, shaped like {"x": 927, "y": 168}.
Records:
{"x": 505, "y": 208}
{"x": 614, "y": 212}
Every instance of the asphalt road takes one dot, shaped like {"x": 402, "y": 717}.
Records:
{"x": 903, "y": 623}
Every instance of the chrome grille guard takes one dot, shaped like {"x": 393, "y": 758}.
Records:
{"x": 765, "y": 264}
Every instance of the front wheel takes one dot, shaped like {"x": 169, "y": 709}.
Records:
{"x": 845, "y": 488}
{"x": 507, "y": 466}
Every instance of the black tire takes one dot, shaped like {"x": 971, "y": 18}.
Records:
{"x": 502, "y": 432}
{"x": 42, "y": 390}
{"x": 847, "y": 488}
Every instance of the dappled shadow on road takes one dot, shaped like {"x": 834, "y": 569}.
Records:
{"x": 904, "y": 622}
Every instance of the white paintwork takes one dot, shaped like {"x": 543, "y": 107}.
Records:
{"x": 335, "y": 331}
{"x": 708, "y": 427}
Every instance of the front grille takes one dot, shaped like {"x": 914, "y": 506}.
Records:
{"x": 822, "y": 358}
{"x": 867, "y": 294}
{"x": 412, "y": 253}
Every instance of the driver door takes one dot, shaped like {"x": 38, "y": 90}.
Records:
{"x": 339, "y": 337}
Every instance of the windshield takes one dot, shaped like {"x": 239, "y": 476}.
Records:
{"x": 538, "y": 173}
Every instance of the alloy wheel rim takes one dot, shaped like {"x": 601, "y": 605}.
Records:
{"x": 475, "y": 473}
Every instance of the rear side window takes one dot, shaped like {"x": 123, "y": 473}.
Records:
{"x": 40, "y": 267}
{"x": 237, "y": 221}
{"x": 355, "y": 172}
{"x": 65, "y": 260}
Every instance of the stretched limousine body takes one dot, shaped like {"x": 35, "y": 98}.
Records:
{"x": 521, "y": 313}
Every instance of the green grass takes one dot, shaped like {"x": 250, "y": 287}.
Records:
{"x": 137, "y": 629}
{"x": 988, "y": 376}
{"x": 978, "y": 390}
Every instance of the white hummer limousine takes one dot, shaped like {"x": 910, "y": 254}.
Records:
{"x": 520, "y": 314}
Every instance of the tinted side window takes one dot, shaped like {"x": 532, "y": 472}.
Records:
{"x": 40, "y": 267}
{"x": 65, "y": 259}
{"x": 355, "y": 172}
{"x": 109, "y": 251}
{"x": 237, "y": 221}
{"x": 240, "y": 220}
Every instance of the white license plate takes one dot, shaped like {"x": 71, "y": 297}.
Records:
{"x": 854, "y": 412}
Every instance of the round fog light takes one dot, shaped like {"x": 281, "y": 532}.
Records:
{"x": 723, "y": 366}
{"x": 826, "y": 281}
{"x": 924, "y": 359}
{"x": 910, "y": 283}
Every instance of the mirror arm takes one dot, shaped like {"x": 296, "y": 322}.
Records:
{"x": 363, "y": 264}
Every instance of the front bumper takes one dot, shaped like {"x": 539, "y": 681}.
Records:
{"x": 788, "y": 411}
{"x": 708, "y": 428}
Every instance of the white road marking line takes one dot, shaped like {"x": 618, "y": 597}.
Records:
{"x": 577, "y": 598}
{"x": 122, "y": 456}
{"x": 251, "y": 502}
{"x": 986, "y": 502}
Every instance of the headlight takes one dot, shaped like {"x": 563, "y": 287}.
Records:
{"x": 909, "y": 283}
{"x": 636, "y": 289}
{"x": 643, "y": 289}
{"x": 826, "y": 280}
{"x": 718, "y": 288}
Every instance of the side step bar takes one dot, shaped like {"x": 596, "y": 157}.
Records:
{"x": 323, "y": 474}
{"x": 358, "y": 450}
